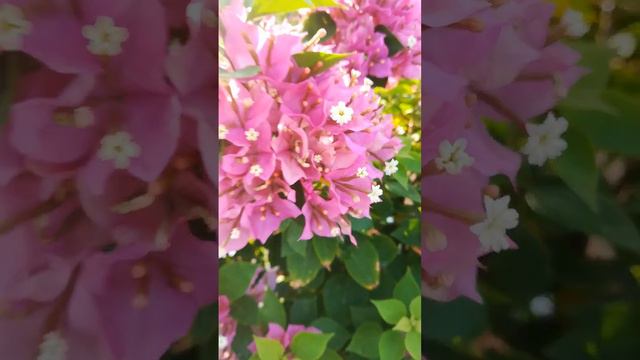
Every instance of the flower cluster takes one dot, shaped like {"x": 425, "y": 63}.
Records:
{"x": 296, "y": 140}
{"x": 107, "y": 165}
{"x": 384, "y": 34}
{"x": 482, "y": 59}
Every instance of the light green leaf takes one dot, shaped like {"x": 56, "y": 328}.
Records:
{"x": 365, "y": 340}
{"x": 390, "y": 310}
{"x": 309, "y": 346}
{"x": 404, "y": 325}
{"x": 247, "y": 72}
{"x": 412, "y": 343}
{"x": 391, "y": 345}
{"x": 318, "y": 61}
{"x": 269, "y": 349}
{"x": 416, "y": 308}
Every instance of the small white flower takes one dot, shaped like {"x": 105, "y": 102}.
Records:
{"x": 499, "y": 219}
{"x": 355, "y": 74}
{"x": 53, "y": 347}
{"x": 366, "y": 86}
{"x": 317, "y": 158}
{"x": 335, "y": 231}
{"x": 341, "y": 113}
{"x": 256, "y": 170}
{"x": 542, "y": 306}
{"x": 623, "y": 43}
{"x": 252, "y": 134}
{"x": 235, "y": 234}
{"x": 83, "y": 116}
{"x": 453, "y": 157}
{"x": 545, "y": 140}
{"x": 223, "y": 342}
{"x": 391, "y": 167}
{"x": 120, "y": 148}
{"x": 574, "y": 23}
{"x": 411, "y": 41}
{"x": 326, "y": 140}
{"x": 374, "y": 195}
{"x": 222, "y": 132}
{"x": 390, "y": 219}
{"x": 13, "y": 27}
{"x": 362, "y": 172}
{"x": 105, "y": 38}
{"x": 400, "y": 130}
{"x": 346, "y": 80}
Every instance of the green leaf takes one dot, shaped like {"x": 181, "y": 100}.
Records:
{"x": 291, "y": 235}
{"x": 363, "y": 264}
{"x": 391, "y": 310}
{"x": 319, "y": 20}
{"x": 272, "y": 310}
{"x": 303, "y": 310}
{"x": 416, "y": 308}
{"x": 408, "y": 232}
{"x": 245, "y": 310}
{"x": 330, "y": 354}
{"x": 559, "y": 204}
{"x": 391, "y": 346}
{"x": 577, "y": 167}
{"x": 407, "y": 288}
{"x": 247, "y": 72}
{"x": 404, "y": 325}
{"x": 318, "y": 61}
{"x": 203, "y": 326}
{"x": 365, "y": 340}
{"x": 330, "y": 326}
{"x": 461, "y": 318}
{"x": 391, "y": 41}
{"x": 387, "y": 248}
{"x": 302, "y": 269}
{"x": 309, "y": 346}
{"x": 363, "y": 314}
{"x": 340, "y": 293}
{"x": 269, "y": 349}
{"x": 234, "y": 279}
{"x": 326, "y": 249}
{"x": 412, "y": 343}
{"x": 409, "y": 192}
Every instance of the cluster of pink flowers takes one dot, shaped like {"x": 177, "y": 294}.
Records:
{"x": 285, "y": 336}
{"x": 482, "y": 59}
{"x": 107, "y": 166}
{"x": 295, "y": 140}
{"x": 363, "y": 25}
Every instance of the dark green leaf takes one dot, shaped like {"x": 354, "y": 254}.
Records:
{"x": 326, "y": 249}
{"x": 272, "y": 311}
{"x": 319, "y": 20}
{"x": 234, "y": 278}
{"x": 365, "y": 340}
{"x": 407, "y": 289}
{"x": 330, "y": 326}
{"x": 363, "y": 264}
{"x": 318, "y": 61}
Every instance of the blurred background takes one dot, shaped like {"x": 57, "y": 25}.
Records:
{"x": 572, "y": 289}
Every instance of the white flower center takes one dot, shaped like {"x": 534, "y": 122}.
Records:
{"x": 222, "y": 132}
{"x": 255, "y": 170}
{"x": 252, "y": 134}
{"x": 120, "y": 148}
{"x": 391, "y": 167}
{"x": 13, "y": 27}
{"x": 545, "y": 140}
{"x": 374, "y": 195}
{"x": 83, "y": 117}
{"x": 223, "y": 342}
{"x": 362, "y": 172}
{"x": 453, "y": 157}
{"x": 341, "y": 113}
{"x": 53, "y": 347}
{"x": 104, "y": 37}
{"x": 235, "y": 234}
{"x": 335, "y": 231}
{"x": 326, "y": 140}
{"x": 411, "y": 41}
{"x": 499, "y": 218}
{"x": 317, "y": 158}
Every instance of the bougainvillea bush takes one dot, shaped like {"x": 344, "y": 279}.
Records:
{"x": 319, "y": 231}
{"x": 546, "y": 94}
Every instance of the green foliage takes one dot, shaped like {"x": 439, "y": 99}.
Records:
{"x": 268, "y": 7}
{"x": 318, "y": 61}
